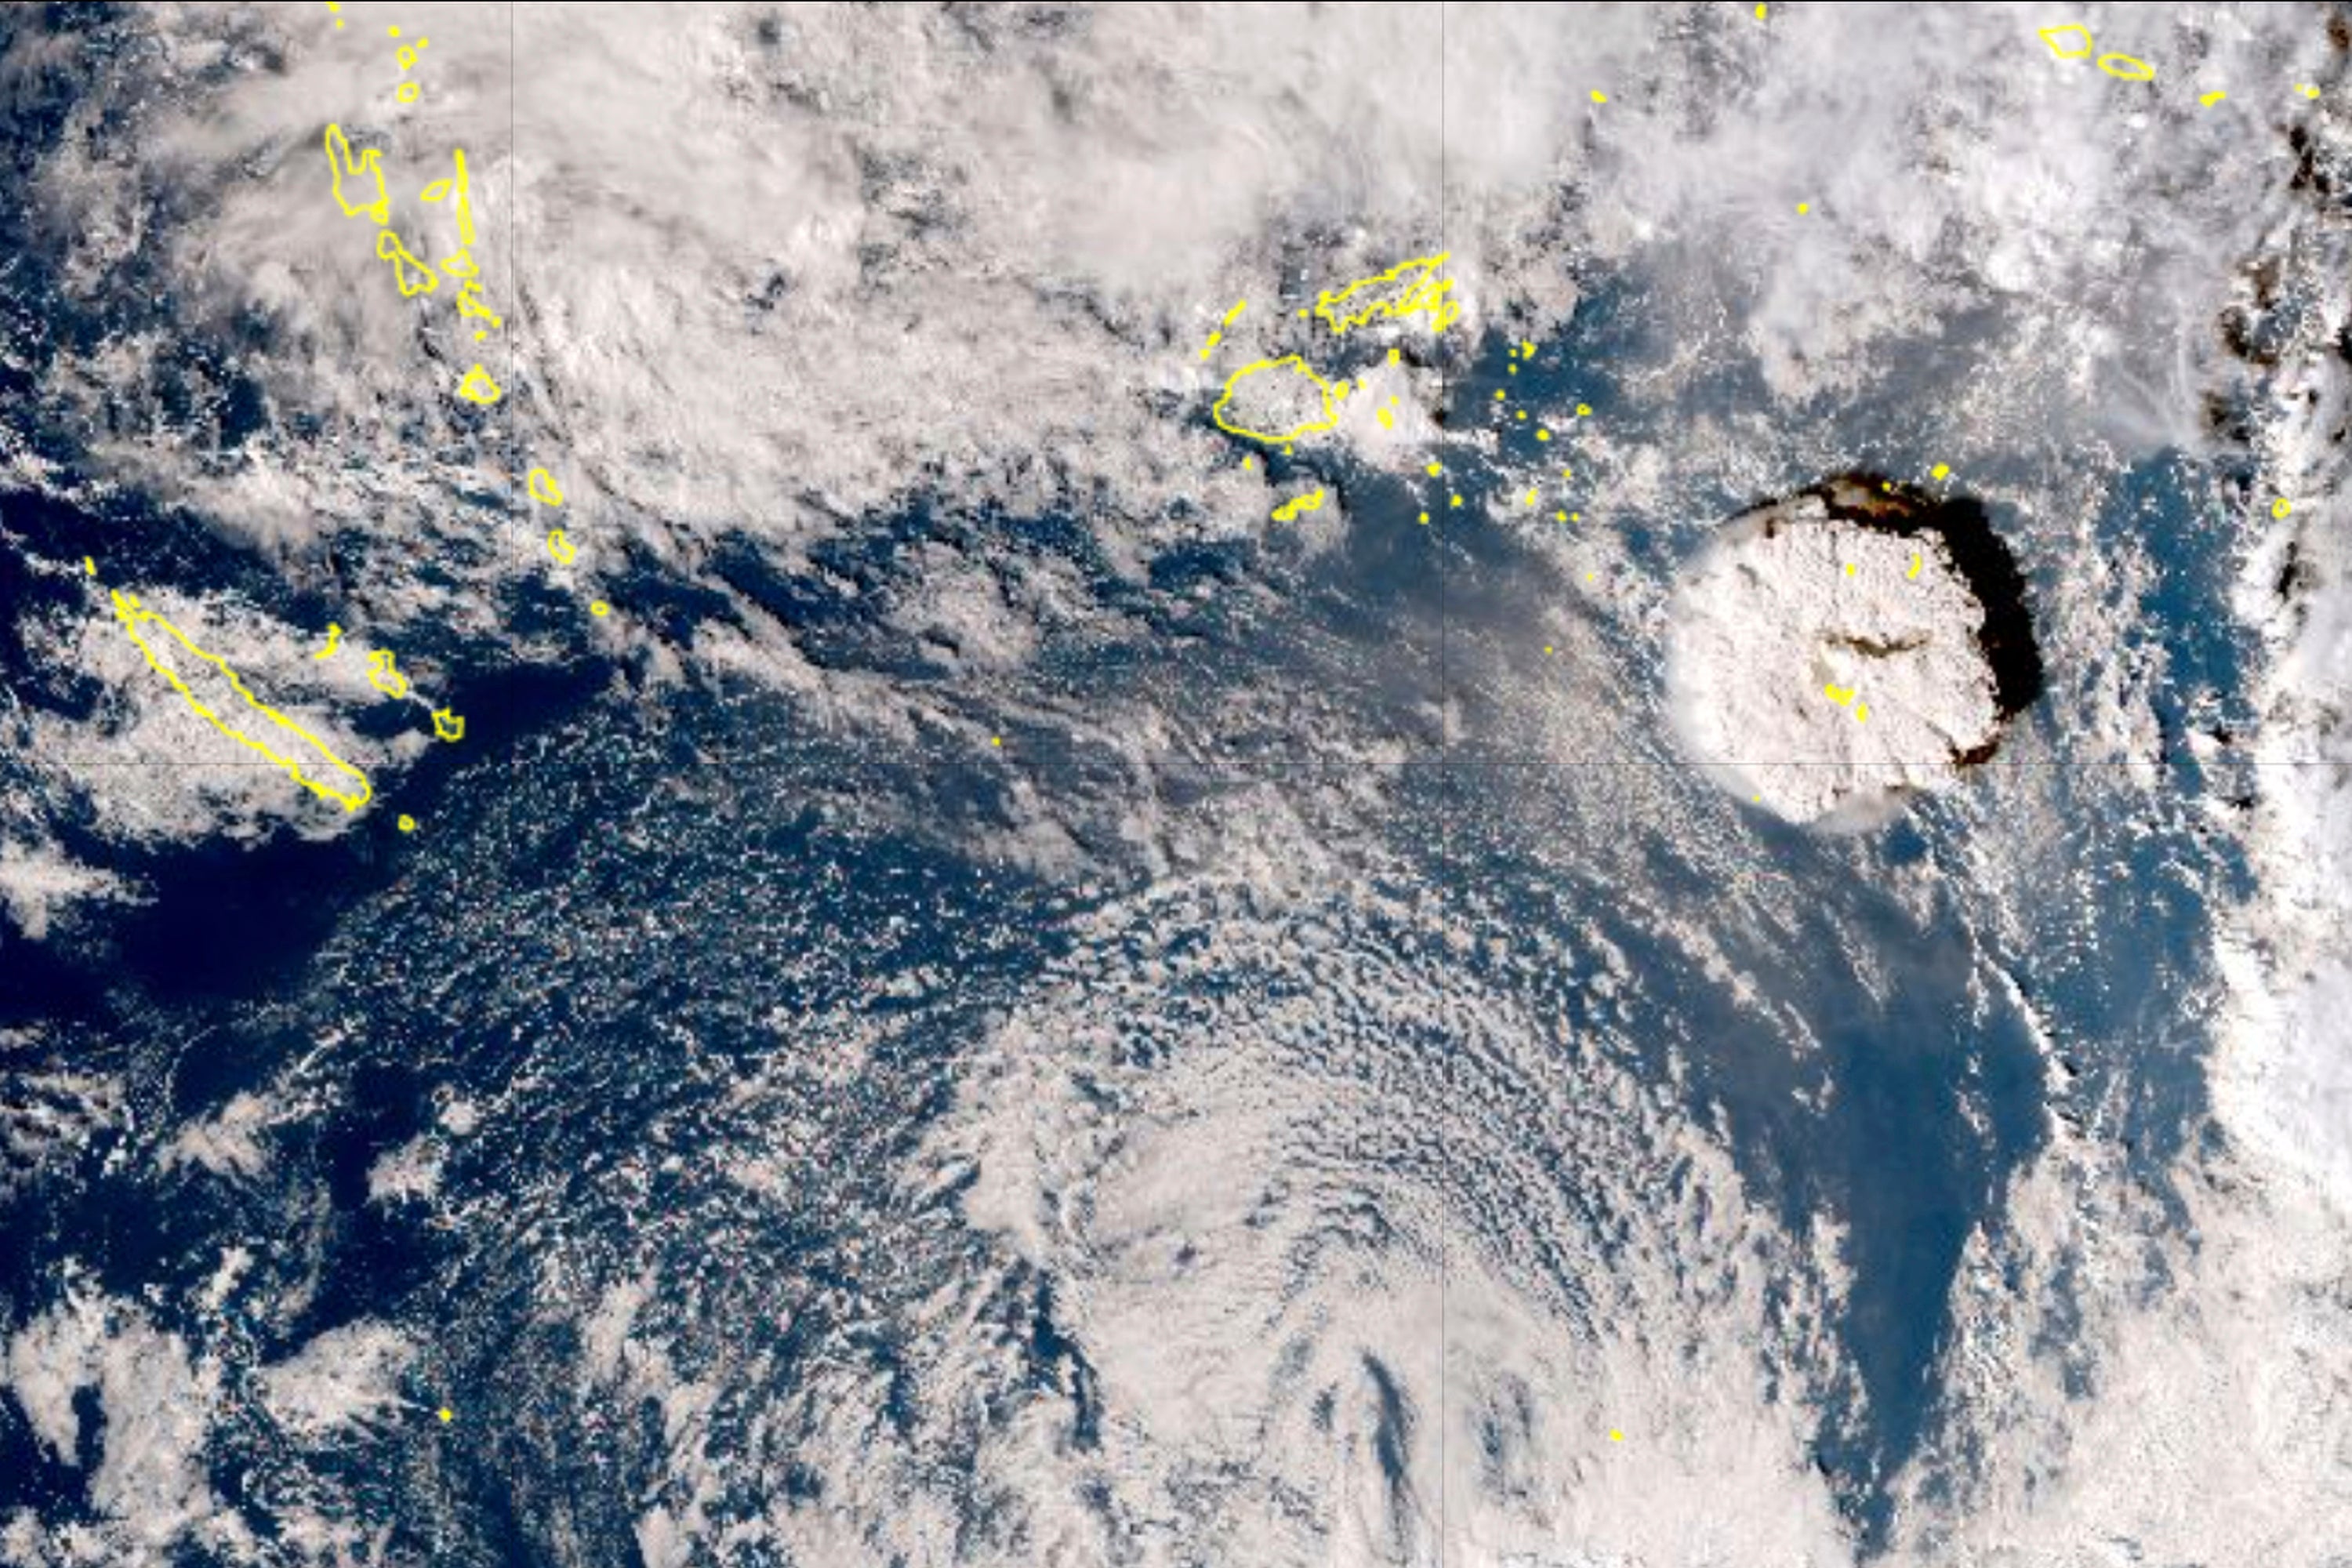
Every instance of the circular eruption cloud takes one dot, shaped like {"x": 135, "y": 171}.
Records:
{"x": 1837, "y": 650}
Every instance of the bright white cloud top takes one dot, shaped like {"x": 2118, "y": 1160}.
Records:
{"x": 1827, "y": 665}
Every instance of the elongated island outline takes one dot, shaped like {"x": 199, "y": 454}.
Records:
{"x": 127, "y": 611}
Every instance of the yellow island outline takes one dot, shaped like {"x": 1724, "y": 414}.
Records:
{"x": 1332, "y": 394}
{"x": 1290, "y": 510}
{"x": 127, "y": 611}
{"x": 1428, "y": 294}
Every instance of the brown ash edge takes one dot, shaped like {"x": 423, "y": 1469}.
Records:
{"x": 1985, "y": 562}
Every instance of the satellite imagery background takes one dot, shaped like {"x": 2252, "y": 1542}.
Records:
{"x": 818, "y": 785}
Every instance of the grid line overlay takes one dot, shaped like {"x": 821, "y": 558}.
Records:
{"x": 1447, "y": 753}
{"x": 1444, "y": 837}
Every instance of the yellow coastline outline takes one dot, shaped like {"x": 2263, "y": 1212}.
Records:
{"x": 341, "y": 163}
{"x": 1217, "y": 334}
{"x": 127, "y": 611}
{"x": 1429, "y": 295}
{"x": 1292, "y": 507}
{"x": 2088, "y": 49}
{"x": 1330, "y": 420}
{"x": 477, "y": 387}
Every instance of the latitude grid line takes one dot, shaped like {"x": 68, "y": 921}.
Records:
{"x": 1247, "y": 764}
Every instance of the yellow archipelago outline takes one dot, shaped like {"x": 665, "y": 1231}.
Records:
{"x": 127, "y": 610}
{"x": 1422, "y": 296}
{"x": 1330, "y": 413}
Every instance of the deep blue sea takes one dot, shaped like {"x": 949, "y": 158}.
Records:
{"x": 631, "y": 900}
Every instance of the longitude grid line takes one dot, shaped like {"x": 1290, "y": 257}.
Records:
{"x": 1444, "y": 842}
{"x": 515, "y": 534}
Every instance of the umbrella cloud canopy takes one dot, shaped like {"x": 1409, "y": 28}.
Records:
{"x": 1836, "y": 651}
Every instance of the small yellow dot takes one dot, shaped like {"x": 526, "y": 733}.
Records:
{"x": 446, "y": 1413}
{"x": 1396, "y": 356}
{"x": 393, "y": 32}
{"x": 90, "y": 566}
{"x": 1302, "y": 315}
{"x": 2308, "y": 92}
{"x": 1589, "y": 576}
{"x": 1615, "y": 1436}
{"x": 1527, "y": 351}
{"x": 1424, "y": 517}
{"x": 1543, "y": 435}
{"x": 407, "y": 824}
{"x": 1498, "y": 394}
{"x": 1530, "y": 499}
{"x": 479, "y": 336}
{"x": 1598, "y": 96}
{"x": 2281, "y": 507}
{"x": 1512, "y": 368}
{"x": 1437, "y": 468}
{"x": 1568, "y": 473}
{"x": 1583, "y": 409}
{"x": 1576, "y": 517}
{"x": 1523, "y": 414}
{"x": 1561, "y": 515}
{"x": 1938, "y": 471}
{"x": 599, "y": 608}
{"x": 1204, "y": 353}
{"x": 1804, "y": 206}
{"x": 1849, "y": 568}
{"x": 996, "y": 740}
{"x": 1547, "y": 648}
{"x": 1249, "y": 462}
{"x": 1455, "y": 502}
